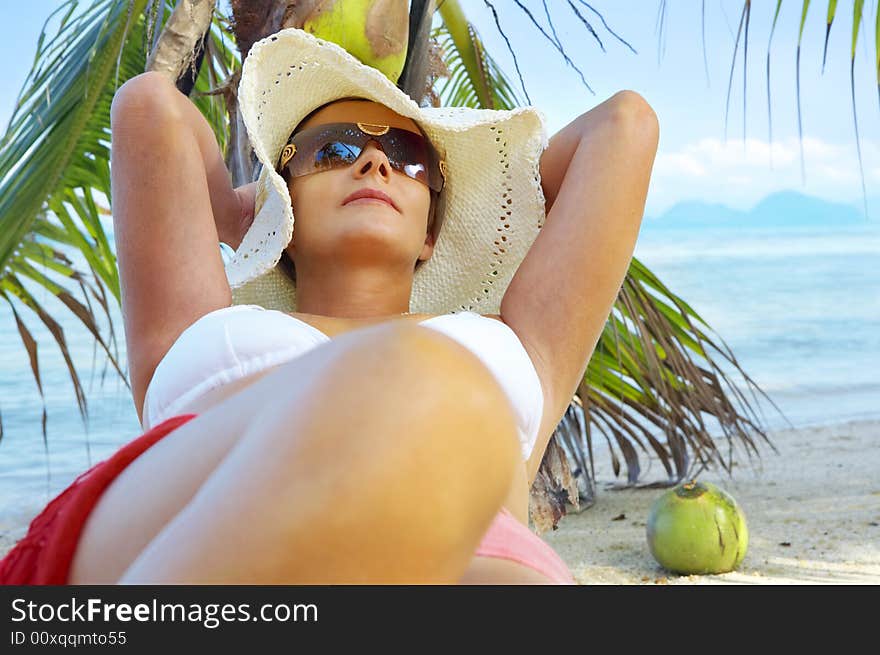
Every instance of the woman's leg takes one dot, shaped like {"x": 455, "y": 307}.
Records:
{"x": 380, "y": 457}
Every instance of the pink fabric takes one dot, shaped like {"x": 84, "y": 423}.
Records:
{"x": 508, "y": 538}
{"x": 44, "y": 555}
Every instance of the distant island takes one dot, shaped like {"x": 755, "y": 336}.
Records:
{"x": 781, "y": 209}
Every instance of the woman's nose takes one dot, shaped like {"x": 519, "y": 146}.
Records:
{"x": 373, "y": 159}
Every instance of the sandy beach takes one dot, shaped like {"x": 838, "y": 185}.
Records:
{"x": 813, "y": 512}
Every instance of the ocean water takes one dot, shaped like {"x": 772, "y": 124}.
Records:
{"x": 799, "y": 308}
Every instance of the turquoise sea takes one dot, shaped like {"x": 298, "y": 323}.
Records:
{"x": 799, "y": 308}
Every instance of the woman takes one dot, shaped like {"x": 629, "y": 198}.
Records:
{"x": 385, "y": 451}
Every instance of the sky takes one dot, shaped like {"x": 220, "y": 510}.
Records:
{"x": 694, "y": 161}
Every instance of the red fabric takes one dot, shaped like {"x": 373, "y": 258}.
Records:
{"x": 44, "y": 555}
{"x": 510, "y": 539}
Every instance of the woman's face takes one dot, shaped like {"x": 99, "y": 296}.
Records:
{"x": 361, "y": 231}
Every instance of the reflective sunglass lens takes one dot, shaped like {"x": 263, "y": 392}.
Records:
{"x": 416, "y": 172}
{"x": 338, "y": 145}
{"x": 335, "y": 154}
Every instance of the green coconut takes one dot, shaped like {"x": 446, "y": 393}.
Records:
{"x": 697, "y": 528}
{"x": 374, "y": 31}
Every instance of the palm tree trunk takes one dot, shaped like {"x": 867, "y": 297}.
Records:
{"x": 414, "y": 79}
{"x": 179, "y": 44}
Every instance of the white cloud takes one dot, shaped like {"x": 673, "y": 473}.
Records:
{"x": 739, "y": 173}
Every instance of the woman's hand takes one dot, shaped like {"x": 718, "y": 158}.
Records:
{"x": 239, "y": 222}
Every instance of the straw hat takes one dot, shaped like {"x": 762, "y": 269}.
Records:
{"x": 492, "y": 205}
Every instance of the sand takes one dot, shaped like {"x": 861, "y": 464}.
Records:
{"x": 813, "y": 513}
{"x": 820, "y": 495}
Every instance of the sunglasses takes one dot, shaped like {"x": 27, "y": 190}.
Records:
{"x": 337, "y": 145}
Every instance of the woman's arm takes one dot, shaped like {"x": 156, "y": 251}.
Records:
{"x": 232, "y": 231}
{"x": 172, "y": 200}
{"x": 595, "y": 174}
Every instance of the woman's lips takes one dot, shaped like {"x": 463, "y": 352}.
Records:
{"x": 357, "y": 201}
{"x": 370, "y": 195}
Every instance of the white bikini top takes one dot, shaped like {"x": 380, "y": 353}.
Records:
{"x": 235, "y": 342}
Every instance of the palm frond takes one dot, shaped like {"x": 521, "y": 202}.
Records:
{"x": 474, "y": 79}
{"x": 54, "y": 165}
{"x": 54, "y": 170}
{"x": 769, "y": 111}
{"x": 829, "y": 19}
{"x": 554, "y": 40}
{"x": 604, "y": 24}
{"x": 805, "y": 8}
{"x": 739, "y": 30}
{"x": 858, "y": 7}
{"x": 703, "y": 35}
{"x": 877, "y": 46}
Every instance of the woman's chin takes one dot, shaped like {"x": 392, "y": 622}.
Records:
{"x": 373, "y": 219}
{"x": 372, "y": 234}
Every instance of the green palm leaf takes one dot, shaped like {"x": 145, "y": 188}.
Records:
{"x": 769, "y": 110}
{"x": 805, "y": 8}
{"x": 858, "y": 6}
{"x": 475, "y": 80}
{"x": 54, "y": 165}
{"x": 877, "y": 46}
{"x": 832, "y": 10}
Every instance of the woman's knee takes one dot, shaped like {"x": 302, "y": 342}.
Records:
{"x": 397, "y": 393}
{"x": 427, "y": 377}
{"x": 390, "y": 387}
